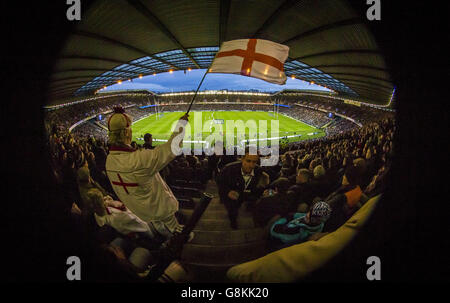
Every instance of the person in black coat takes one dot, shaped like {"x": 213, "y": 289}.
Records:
{"x": 213, "y": 160}
{"x": 148, "y": 141}
{"x": 334, "y": 179}
{"x": 224, "y": 160}
{"x": 241, "y": 181}
{"x": 274, "y": 201}
{"x": 100, "y": 155}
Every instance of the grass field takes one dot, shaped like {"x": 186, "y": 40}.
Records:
{"x": 161, "y": 126}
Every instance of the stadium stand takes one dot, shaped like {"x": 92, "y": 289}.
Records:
{"x": 217, "y": 248}
{"x": 310, "y": 111}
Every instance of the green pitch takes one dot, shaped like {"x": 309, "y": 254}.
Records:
{"x": 161, "y": 126}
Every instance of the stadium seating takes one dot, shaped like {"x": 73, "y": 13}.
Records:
{"x": 295, "y": 262}
{"x": 216, "y": 247}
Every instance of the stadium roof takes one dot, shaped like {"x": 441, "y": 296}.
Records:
{"x": 123, "y": 39}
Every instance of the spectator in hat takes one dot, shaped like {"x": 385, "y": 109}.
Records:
{"x": 298, "y": 227}
{"x": 134, "y": 174}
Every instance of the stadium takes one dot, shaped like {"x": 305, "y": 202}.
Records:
{"x": 335, "y": 146}
{"x": 309, "y": 123}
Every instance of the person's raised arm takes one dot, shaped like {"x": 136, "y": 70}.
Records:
{"x": 156, "y": 159}
{"x": 176, "y": 139}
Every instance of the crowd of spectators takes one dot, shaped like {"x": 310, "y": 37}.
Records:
{"x": 311, "y": 117}
{"x": 312, "y": 110}
{"x": 362, "y": 114}
{"x": 307, "y": 115}
{"x": 134, "y": 111}
{"x": 66, "y": 116}
{"x": 339, "y": 126}
{"x": 91, "y": 128}
{"x": 244, "y": 98}
{"x": 78, "y": 163}
{"x": 343, "y": 169}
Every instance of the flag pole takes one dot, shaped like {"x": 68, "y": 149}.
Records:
{"x": 193, "y": 98}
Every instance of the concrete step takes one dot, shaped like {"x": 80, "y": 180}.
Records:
{"x": 208, "y": 237}
{"x": 214, "y": 204}
{"x": 224, "y": 224}
{"x": 186, "y": 203}
{"x": 211, "y": 187}
{"x": 216, "y": 247}
{"x": 207, "y": 273}
{"x": 215, "y": 218}
{"x": 223, "y": 254}
{"x": 219, "y": 213}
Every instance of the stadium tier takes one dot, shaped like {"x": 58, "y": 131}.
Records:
{"x": 306, "y": 155}
{"x": 329, "y": 151}
{"x": 83, "y": 118}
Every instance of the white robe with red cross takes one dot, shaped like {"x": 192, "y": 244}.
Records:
{"x": 135, "y": 178}
{"x": 124, "y": 221}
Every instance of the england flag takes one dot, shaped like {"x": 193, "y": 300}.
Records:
{"x": 256, "y": 58}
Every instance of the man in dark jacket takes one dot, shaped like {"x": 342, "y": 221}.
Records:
{"x": 148, "y": 141}
{"x": 100, "y": 155}
{"x": 241, "y": 181}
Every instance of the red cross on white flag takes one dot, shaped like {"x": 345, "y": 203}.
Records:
{"x": 256, "y": 58}
{"x": 123, "y": 184}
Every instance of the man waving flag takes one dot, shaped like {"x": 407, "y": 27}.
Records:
{"x": 256, "y": 58}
